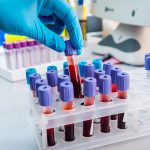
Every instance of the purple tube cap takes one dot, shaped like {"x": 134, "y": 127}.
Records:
{"x": 45, "y": 95}
{"x": 98, "y": 73}
{"x": 23, "y": 43}
{"x": 123, "y": 81}
{"x": 9, "y": 46}
{"x": 89, "y": 70}
{"x": 105, "y": 84}
{"x": 147, "y": 63}
{"x": 38, "y": 83}
{"x": 17, "y": 45}
{"x": 36, "y": 42}
{"x": 66, "y": 91}
{"x": 33, "y": 78}
{"x": 69, "y": 49}
{"x": 114, "y": 72}
{"x": 52, "y": 78}
{"x": 107, "y": 67}
{"x": 89, "y": 87}
{"x": 30, "y": 42}
{"x": 62, "y": 78}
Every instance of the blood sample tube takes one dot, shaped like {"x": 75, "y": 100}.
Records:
{"x": 114, "y": 72}
{"x": 89, "y": 90}
{"x": 10, "y": 56}
{"x": 73, "y": 69}
{"x": 45, "y": 101}
{"x": 123, "y": 86}
{"x": 89, "y": 70}
{"x": 97, "y": 74}
{"x": 67, "y": 96}
{"x": 51, "y": 68}
{"x": 105, "y": 96}
{"x": 33, "y": 78}
{"x": 29, "y": 71}
{"x": 65, "y": 64}
{"x": 52, "y": 78}
{"x": 81, "y": 65}
{"x": 97, "y": 63}
{"x": 66, "y": 71}
{"x": 24, "y": 51}
{"x": 38, "y": 83}
{"x": 19, "y": 56}
{"x": 107, "y": 67}
{"x": 62, "y": 78}
{"x": 147, "y": 66}
{"x": 43, "y": 52}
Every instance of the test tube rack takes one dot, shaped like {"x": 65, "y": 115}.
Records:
{"x": 136, "y": 106}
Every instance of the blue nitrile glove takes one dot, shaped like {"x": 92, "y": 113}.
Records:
{"x": 30, "y": 17}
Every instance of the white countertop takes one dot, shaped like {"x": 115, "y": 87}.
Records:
{"x": 15, "y": 131}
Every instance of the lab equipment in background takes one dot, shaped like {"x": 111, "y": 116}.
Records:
{"x": 89, "y": 91}
{"x": 130, "y": 40}
{"x": 73, "y": 69}
{"x": 45, "y": 101}
{"x": 67, "y": 96}
{"x": 21, "y": 54}
{"x": 105, "y": 96}
{"x": 123, "y": 87}
{"x": 81, "y": 10}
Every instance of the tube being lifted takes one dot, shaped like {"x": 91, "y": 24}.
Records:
{"x": 71, "y": 53}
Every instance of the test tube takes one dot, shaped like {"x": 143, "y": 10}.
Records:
{"x": 43, "y": 52}
{"x": 105, "y": 96}
{"x": 29, "y": 71}
{"x": 67, "y": 96}
{"x": 73, "y": 69}
{"x": 123, "y": 86}
{"x": 24, "y": 51}
{"x": 10, "y": 56}
{"x": 66, "y": 71}
{"x": 38, "y": 83}
{"x": 51, "y": 68}
{"x": 89, "y": 90}
{"x": 97, "y": 74}
{"x": 37, "y": 52}
{"x": 81, "y": 65}
{"x": 89, "y": 70}
{"x": 114, "y": 73}
{"x": 65, "y": 64}
{"x": 107, "y": 67}
{"x": 147, "y": 66}
{"x": 33, "y": 78}
{"x": 97, "y": 63}
{"x": 30, "y": 54}
{"x": 52, "y": 78}
{"x": 19, "y": 56}
{"x": 45, "y": 101}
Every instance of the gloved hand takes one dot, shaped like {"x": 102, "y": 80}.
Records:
{"x": 30, "y": 17}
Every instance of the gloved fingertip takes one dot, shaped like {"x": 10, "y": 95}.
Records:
{"x": 61, "y": 46}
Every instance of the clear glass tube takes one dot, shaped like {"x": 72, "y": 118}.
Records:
{"x": 88, "y": 124}
{"x": 75, "y": 76}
